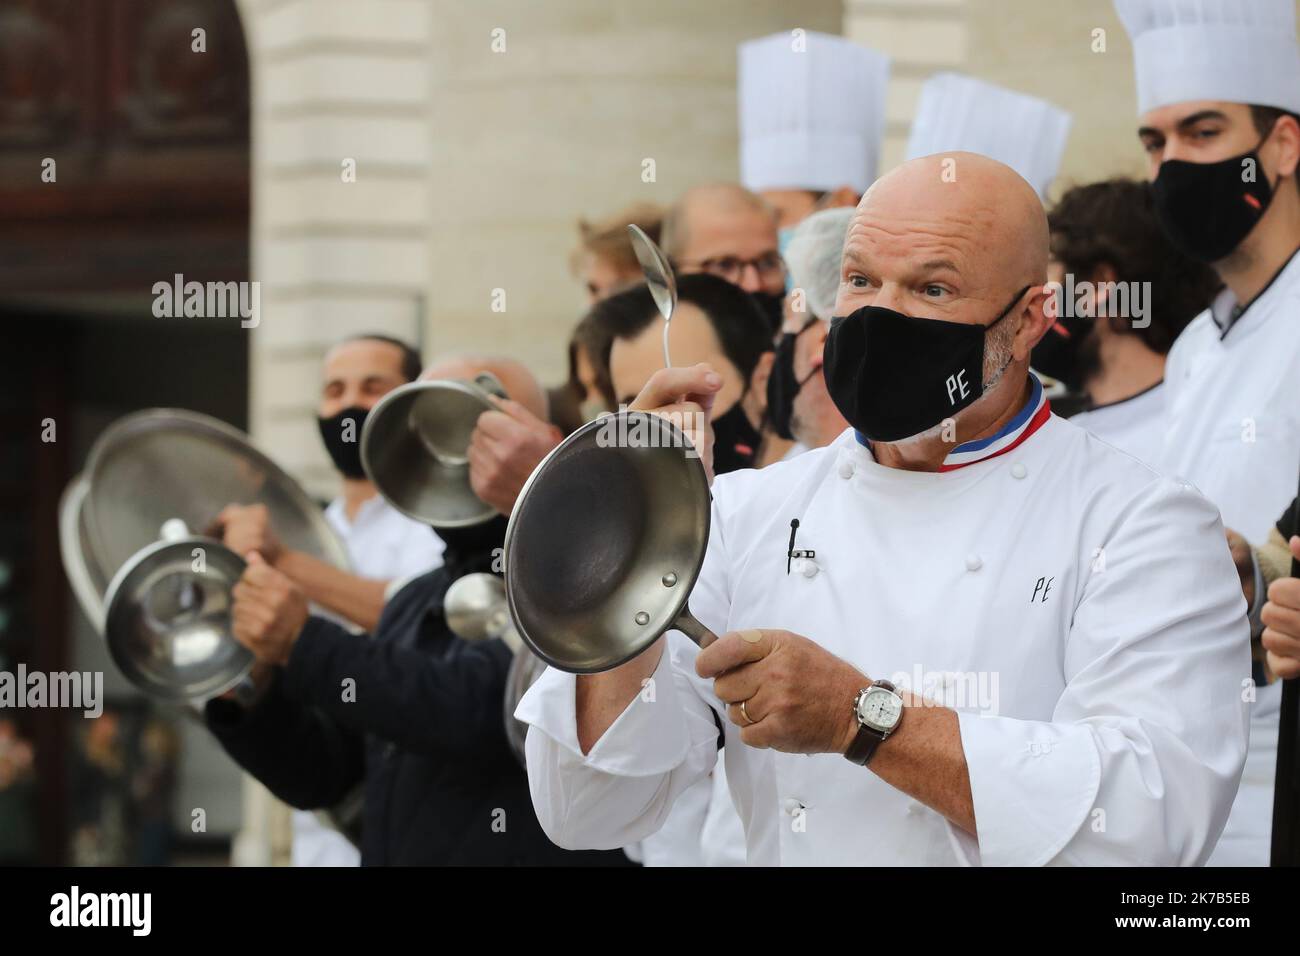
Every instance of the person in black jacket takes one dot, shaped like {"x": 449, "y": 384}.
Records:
{"x": 415, "y": 712}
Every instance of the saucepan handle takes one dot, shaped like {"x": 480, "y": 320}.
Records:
{"x": 686, "y": 623}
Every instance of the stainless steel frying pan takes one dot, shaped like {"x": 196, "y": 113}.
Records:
{"x": 606, "y": 542}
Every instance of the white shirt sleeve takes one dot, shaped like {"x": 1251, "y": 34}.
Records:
{"x": 663, "y": 742}
{"x": 621, "y": 791}
{"x": 419, "y": 552}
{"x": 1144, "y": 752}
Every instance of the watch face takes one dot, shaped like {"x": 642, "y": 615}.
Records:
{"x": 880, "y": 709}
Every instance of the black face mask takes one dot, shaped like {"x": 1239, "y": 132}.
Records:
{"x": 342, "y": 436}
{"x": 471, "y": 549}
{"x": 735, "y": 441}
{"x": 893, "y": 376}
{"x": 782, "y": 385}
{"x": 1206, "y": 209}
{"x": 1058, "y": 353}
{"x": 773, "y": 309}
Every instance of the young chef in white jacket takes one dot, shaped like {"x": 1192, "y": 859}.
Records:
{"x": 1218, "y": 92}
{"x": 1066, "y": 693}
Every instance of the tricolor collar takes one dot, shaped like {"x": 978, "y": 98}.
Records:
{"x": 1028, "y": 420}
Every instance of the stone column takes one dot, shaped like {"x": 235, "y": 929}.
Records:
{"x": 413, "y": 157}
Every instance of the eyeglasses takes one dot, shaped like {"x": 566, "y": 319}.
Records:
{"x": 732, "y": 268}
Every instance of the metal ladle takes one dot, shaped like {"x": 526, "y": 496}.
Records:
{"x": 658, "y": 276}
{"x": 475, "y": 609}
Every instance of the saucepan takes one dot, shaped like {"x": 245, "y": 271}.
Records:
{"x": 606, "y": 542}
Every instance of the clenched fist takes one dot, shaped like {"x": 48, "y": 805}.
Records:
{"x": 505, "y": 447}
{"x": 798, "y": 697}
{"x": 1281, "y": 616}
{"x": 685, "y": 397}
{"x": 245, "y": 528}
{"x": 269, "y": 611}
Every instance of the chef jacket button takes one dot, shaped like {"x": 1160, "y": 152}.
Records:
{"x": 913, "y": 808}
{"x": 809, "y": 568}
{"x": 846, "y": 468}
{"x": 973, "y": 562}
{"x": 791, "y": 806}
{"x": 1018, "y": 470}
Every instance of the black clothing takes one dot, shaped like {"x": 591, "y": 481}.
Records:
{"x": 417, "y": 713}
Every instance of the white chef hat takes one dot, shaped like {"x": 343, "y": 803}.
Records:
{"x": 1242, "y": 51}
{"x": 961, "y": 113}
{"x": 814, "y": 256}
{"x": 812, "y": 112}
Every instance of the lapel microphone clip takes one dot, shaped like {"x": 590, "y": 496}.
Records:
{"x": 791, "y": 553}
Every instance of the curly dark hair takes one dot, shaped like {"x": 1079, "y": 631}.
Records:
{"x": 1113, "y": 223}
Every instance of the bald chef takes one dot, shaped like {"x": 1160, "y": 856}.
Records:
{"x": 979, "y": 613}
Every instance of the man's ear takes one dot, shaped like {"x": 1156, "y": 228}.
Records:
{"x": 1102, "y": 275}
{"x": 1034, "y": 321}
{"x": 1286, "y": 133}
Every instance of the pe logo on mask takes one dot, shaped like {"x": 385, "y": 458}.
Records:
{"x": 958, "y": 387}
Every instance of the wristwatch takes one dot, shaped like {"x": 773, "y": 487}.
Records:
{"x": 878, "y": 710}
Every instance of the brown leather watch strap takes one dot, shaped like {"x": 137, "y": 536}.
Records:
{"x": 868, "y": 739}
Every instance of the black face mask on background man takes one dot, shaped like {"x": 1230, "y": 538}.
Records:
{"x": 735, "y": 440}
{"x": 782, "y": 385}
{"x": 1207, "y": 209}
{"x": 342, "y": 436}
{"x": 773, "y": 308}
{"x": 893, "y": 376}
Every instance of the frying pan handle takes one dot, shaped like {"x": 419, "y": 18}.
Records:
{"x": 688, "y": 625}
{"x": 490, "y": 383}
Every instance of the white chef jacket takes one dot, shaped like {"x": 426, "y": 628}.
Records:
{"x": 1234, "y": 418}
{"x": 384, "y": 544}
{"x": 1247, "y": 837}
{"x": 722, "y": 839}
{"x": 1135, "y": 425}
{"x": 678, "y": 841}
{"x": 1096, "y": 677}
{"x": 1234, "y": 432}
